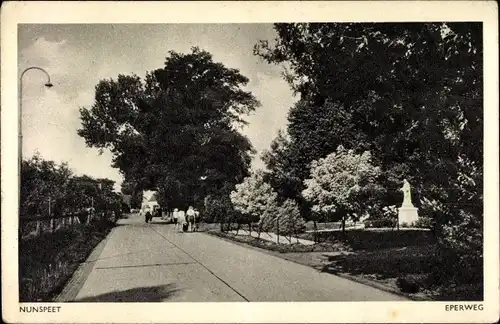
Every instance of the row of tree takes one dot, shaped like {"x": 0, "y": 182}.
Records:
{"x": 50, "y": 188}
{"x": 343, "y": 183}
{"x": 411, "y": 94}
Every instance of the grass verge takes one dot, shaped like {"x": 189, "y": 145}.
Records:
{"x": 46, "y": 262}
{"x": 282, "y": 248}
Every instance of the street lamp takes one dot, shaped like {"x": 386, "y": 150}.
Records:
{"x": 48, "y": 84}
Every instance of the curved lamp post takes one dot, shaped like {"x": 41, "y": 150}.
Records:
{"x": 48, "y": 84}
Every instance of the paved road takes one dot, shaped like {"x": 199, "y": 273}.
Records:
{"x": 151, "y": 262}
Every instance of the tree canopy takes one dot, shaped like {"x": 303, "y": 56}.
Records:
{"x": 343, "y": 183}
{"x": 131, "y": 189}
{"x": 45, "y": 182}
{"x": 176, "y": 131}
{"x": 409, "y": 93}
{"x": 254, "y": 198}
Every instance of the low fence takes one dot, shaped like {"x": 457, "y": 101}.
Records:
{"x": 329, "y": 225}
{"x": 32, "y": 226}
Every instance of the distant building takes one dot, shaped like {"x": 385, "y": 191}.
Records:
{"x": 149, "y": 200}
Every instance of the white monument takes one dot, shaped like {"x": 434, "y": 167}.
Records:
{"x": 407, "y": 213}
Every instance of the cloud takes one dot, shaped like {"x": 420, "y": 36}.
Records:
{"x": 43, "y": 52}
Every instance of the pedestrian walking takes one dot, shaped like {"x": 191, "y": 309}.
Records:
{"x": 175, "y": 217}
{"x": 196, "y": 219}
{"x": 190, "y": 218}
{"x": 181, "y": 220}
{"x": 148, "y": 215}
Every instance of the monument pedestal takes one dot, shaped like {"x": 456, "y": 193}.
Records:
{"x": 407, "y": 214}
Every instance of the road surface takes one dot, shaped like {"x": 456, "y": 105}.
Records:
{"x": 152, "y": 263}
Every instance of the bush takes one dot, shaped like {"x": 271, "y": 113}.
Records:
{"x": 384, "y": 222}
{"x": 462, "y": 292}
{"x": 218, "y": 209}
{"x": 409, "y": 284}
{"x": 463, "y": 242}
{"x": 424, "y": 222}
{"x": 290, "y": 220}
{"x": 375, "y": 240}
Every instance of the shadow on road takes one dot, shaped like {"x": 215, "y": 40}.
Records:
{"x": 385, "y": 263}
{"x": 141, "y": 294}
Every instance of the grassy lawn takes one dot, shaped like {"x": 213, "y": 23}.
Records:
{"x": 281, "y": 248}
{"x": 48, "y": 261}
{"x": 381, "y": 266}
{"x": 379, "y": 257}
{"x": 368, "y": 239}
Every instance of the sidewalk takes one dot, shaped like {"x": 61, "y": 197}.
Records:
{"x": 272, "y": 237}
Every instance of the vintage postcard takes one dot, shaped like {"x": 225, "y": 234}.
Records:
{"x": 250, "y": 162}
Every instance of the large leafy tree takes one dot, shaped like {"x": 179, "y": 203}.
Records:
{"x": 343, "y": 183}
{"x": 218, "y": 209}
{"x": 409, "y": 93}
{"x": 83, "y": 193}
{"x": 132, "y": 189}
{"x": 176, "y": 131}
{"x": 255, "y": 199}
{"x": 412, "y": 95}
{"x": 45, "y": 183}
{"x": 284, "y": 175}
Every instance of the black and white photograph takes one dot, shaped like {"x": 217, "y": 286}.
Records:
{"x": 184, "y": 163}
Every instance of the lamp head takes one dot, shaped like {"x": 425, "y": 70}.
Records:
{"x": 49, "y": 85}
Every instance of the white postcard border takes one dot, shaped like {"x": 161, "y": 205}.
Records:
{"x": 14, "y": 13}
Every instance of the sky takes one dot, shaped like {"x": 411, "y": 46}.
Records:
{"x": 78, "y": 56}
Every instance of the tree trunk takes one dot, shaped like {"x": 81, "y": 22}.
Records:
{"x": 315, "y": 232}
{"x": 343, "y": 224}
{"x": 277, "y": 230}
{"x": 250, "y": 229}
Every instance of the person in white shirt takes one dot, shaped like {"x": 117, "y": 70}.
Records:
{"x": 175, "y": 216}
{"x": 181, "y": 219}
{"x": 191, "y": 218}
